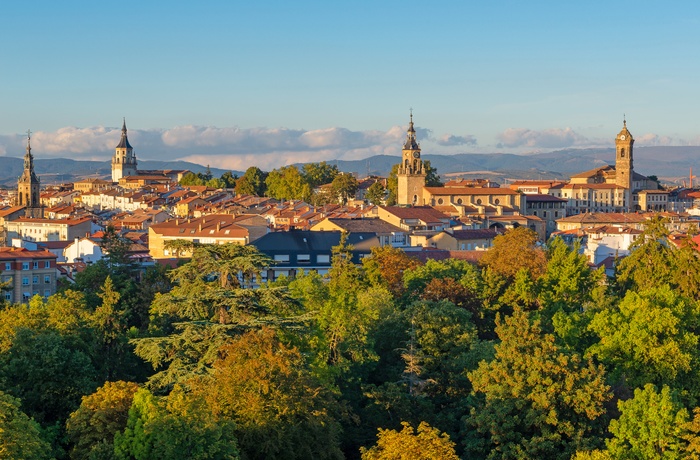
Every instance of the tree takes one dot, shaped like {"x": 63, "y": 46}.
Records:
{"x": 317, "y": 174}
{"x": 514, "y": 250}
{"x": 287, "y": 183}
{"x": 429, "y": 444}
{"x": 651, "y": 337}
{"x": 100, "y": 416}
{"x": 252, "y": 182}
{"x": 392, "y": 185}
{"x": 64, "y": 370}
{"x": 280, "y": 410}
{"x": 432, "y": 179}
{"x": 229, "y": 179}
{"x": 191, "y": 179}
{"x": 176, "y": 426}
{"x": 376, "y": 193}
{"x": 20, "y": 436}
{"x": 652, "y": 425}
{"x": 535, "y": 399}
{"x": 344, "y": 186}
{"x": 651, "y": 260}
{"x": 386, "y": 266}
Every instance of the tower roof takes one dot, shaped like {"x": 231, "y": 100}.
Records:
{"x": 124, "y": 142}
{"x": 625, "y": 132}
{"x": 411, "y": 143}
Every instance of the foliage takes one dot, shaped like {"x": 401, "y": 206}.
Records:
{"x": 48, "y": 372}
{"x": 515, "y": 250}
{"x": 428, "y": 443}
{"x": 432, "y": 179}
{"x": 179, "y": 426}
{"x": 287, "y": 183}
{"x": 536, "y": 400}
{"x": 651, "y": 337}
{"x": 317, "y": 174}
{"x": 386, "y": 267}
{"x": 344, "y": 186}
{"x": 100, "y": 416}
{"x": 651, "y": 425}
{"x": 392, "y": 185}
{"x": 280, "y": 409}
{"x": 252, "y": 182}
{"x": 20, "y": 436}
{"x": 376, "y": 193}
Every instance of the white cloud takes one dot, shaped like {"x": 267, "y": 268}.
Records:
{"x": 449, "y": 140}
{"x": 654, "y": 139}
{"x": 555, "y": 138}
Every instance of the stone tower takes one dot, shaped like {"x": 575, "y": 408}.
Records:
{"x": 124, "y": 160}
{"x": 28, "y": 186}
{"x": 411, "y": 174}
{"x": 624, "y": 168}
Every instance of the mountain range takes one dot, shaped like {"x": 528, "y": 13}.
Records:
{"x": 670, "y": 164}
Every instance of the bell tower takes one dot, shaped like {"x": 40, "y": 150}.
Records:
{"x": 624, "y": 163}
{"x": 411, "y": 174}
{"x": 28, "y": 186}
{"x": 124, "y": 160}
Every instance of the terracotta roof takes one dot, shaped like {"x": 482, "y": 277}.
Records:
{"x": 471, "y": 191}
{"x": 211, "y": 226}
{"x": 543, "y": 198}
{"x": 617, "y": 217}
{"x": 7, "y": 253}
{"x": 424, "y": 213}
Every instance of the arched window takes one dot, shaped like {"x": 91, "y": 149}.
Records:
{"x": 622, "y": 153}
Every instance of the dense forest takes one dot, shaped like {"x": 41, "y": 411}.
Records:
{"x": 529, "y": 355}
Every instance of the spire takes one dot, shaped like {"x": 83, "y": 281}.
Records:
{"x": 411, "y": 143}
{"x": 124, "y": 142}
{"x": 28, "y": 159}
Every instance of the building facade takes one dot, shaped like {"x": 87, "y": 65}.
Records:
{"x": 411, "y": 173}
{"x": 28, "y": 273}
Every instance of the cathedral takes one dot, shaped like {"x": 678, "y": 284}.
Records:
{"x": 124, "y": 160}
{"x": 28, "y": 186}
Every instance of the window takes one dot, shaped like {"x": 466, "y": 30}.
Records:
{"x": 47, "y": 279}
{"x": 25, "y": 281}
{"x": 8, "y": 266}
{"x": 459, "y": 201}
{"x": 26, "y": 296}
{"x": 440, "y": 201}
{"x": 35, "y": 279}
{"x": 304, "y": 258}
{"x": 323, "y": 259}
{"x": 35, "y": 265}
{"x": 47, "y": 264}
{"x": 47, "y": 292}
{"x": 8, "y": 296}
{"x": 25, "y": 265}
{"x": 281, "y": 257}
{"x": 497, "y": 201}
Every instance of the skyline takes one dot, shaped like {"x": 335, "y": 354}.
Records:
{"x": 234, "y": 85}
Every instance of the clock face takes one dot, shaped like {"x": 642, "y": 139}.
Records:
{"x": 416, "y": 154}
{"x": 623, "y": 137}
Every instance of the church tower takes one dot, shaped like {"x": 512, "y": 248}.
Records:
{"x": 411, "y": 174}
{"x": 124, "y": 160}
{"x": 624, "y": 168}
{"x": 28, "y": 186}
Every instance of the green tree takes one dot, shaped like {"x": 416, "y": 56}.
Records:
{"x": 100, "y": 416}
{"x": 191, "y": 179}
{"x": 376, "y": 193}
{"x": 252, "y": 182}
{"x": 652, "y": 425}
{"x": 287, "y": 183}
{"x": 229, "y": 179}
{"x": 536, "y": 400}
{"x": 432, "y": 179}
{"x": 428, "y": 443}
{"x": 392, "y": 185}
{"x": 48, "y": 372}
{"x": 317, "y": 174}
{"x": 344, "y": 186}
{"x": 179, "y": 426}
{"x": 20, "y": 436}
{"x": 651, "y": 261}
{"x": 209, "y": 304}
{"x": 651, "y": 337}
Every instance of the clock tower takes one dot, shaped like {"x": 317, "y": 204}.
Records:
{"x": 124, "y": 161}
{"x": 624, "y": 168}
{"x": 28, "y": 187}
{"x": 411, "y": 174}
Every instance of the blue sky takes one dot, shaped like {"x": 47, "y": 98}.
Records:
{"x": 233, "y": 84}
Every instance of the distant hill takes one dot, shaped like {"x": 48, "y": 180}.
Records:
{"x": 671, "y": 164}
{"x": 59, "y": 170}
